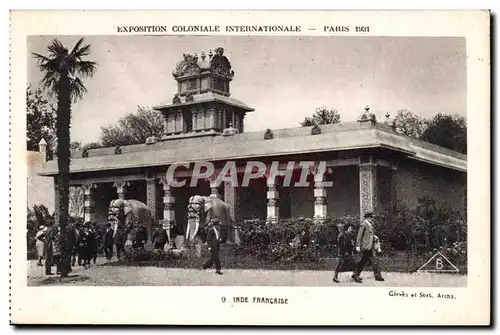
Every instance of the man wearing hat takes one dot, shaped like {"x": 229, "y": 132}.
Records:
{"x": 365, "y": 243}
{"x": 213, "y": 242}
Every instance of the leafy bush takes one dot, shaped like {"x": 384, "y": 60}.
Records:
{"x": 307, "y": 243}
{"x": 140, "y": 255}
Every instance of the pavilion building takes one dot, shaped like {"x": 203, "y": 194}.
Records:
{"x": 372, "y": 167}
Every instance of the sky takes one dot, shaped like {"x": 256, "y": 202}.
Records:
{"x": 283, "y": 78}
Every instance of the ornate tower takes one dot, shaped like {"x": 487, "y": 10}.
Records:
{"x": 203, "y": 104}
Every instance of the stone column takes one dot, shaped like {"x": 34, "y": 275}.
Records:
{"x": 237, "y": 122}
{"x": 272, "y": 201}
{"x": 121, "y": 188}
{"x": 320, "y": 207}
{"x": 394, "y": 196}
{"x": 89, "y": 206}
{"x": 168, "y": 211}
{"x": 214, "y": 190}
{"x": 179, "y": 122}
{"x": 151, "y": 197}
{"x": 151, "y": 203}
{"x": 210, "y": 120}
{"x": 231, "y": 198}
{"x": 367, "y": 188}
{"x": 194, "y": 117}
{"x": 201, "y": 120}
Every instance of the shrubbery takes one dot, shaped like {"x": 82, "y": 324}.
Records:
{"x": 409, "y": 238}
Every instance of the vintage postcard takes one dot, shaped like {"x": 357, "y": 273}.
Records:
{"x": 250, "y": 168}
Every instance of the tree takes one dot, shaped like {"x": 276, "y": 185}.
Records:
{"x": 40, "y": 120}
{"x": 448, "y": 131}
{"x": 76, "y": 202}
{"x": 63, "y": 72}
{"x": 409, "y": 124}
{"x": 322, "y": 115}
{"x": 133, "y": 128}
{"x": 78, "y": 145}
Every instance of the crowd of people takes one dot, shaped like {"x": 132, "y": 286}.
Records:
{"x": 80, "y": 244}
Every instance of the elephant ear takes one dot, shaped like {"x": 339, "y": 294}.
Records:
{"x": 127, "y": 208}
{"x": 209, "y": 203}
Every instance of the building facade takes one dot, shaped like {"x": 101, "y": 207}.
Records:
{"x": 371, "y": 167}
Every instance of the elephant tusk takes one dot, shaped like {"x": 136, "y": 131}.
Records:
{"x": 197, "y": 227}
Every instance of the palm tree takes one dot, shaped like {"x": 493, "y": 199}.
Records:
{"x": 63, "y": 73}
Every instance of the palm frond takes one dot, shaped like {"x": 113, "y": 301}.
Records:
{"x": 76, "y": 47}
{"x": 56, "y": 48}
{"x": 77, "y": 88}
{"x": 84, "y": 51}
{"x": 40, "y": 58}
{"x": 86, "y": 68}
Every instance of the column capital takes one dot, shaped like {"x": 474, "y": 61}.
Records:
{"x": 121, "y": 183}
{"x": 88, "y": 186}
{"x": 164, "y": 182}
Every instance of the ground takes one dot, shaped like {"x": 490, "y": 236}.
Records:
{"x": 102, "y": 275}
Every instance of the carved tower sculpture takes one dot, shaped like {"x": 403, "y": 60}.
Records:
{"x": 203, "y": 105}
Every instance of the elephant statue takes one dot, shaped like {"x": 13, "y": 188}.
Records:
{"x": 202, "y": 210}
{"x": 129, "y": 214}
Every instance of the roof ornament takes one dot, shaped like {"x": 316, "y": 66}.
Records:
{"x": 391, "y": 122}
{"x": 203, "y": 56}
{"x": 315, "y": 130}
{"x": 220, "y": 65}
{"x": 268, "y": 135}
{"x": 367, "y": 116}
{"x": 176, "y": 99}
{"x": 230, "y": 131}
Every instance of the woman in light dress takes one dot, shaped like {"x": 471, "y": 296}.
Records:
{"x": 40, "y": 244}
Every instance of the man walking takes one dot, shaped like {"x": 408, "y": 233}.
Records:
{"x": 120, "y": 240}
{"x": 108, "y": 242}
{"x": 160, "y": 237}
{"x": 346, "y": 242}
{"x": 365, "y": 243}
{"x": 213, "y": 242}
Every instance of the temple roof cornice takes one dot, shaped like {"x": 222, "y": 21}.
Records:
{"x": 292, "y": 141}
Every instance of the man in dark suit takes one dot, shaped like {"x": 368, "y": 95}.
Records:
{"x": 108, "y": 242}
{"x": 160, "y": 237}
{"x": 346, "y": 245}
{"x": 365, "y": 244}
{"x": 213, "y": 242}
{"x": 120, "y": 239}
{"x": 141, "y": 236}
{"x": 49, "y": 250}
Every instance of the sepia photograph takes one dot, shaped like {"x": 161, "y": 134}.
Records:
{"x": 304, "y": 161}
{"x": 265, "y": 167}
